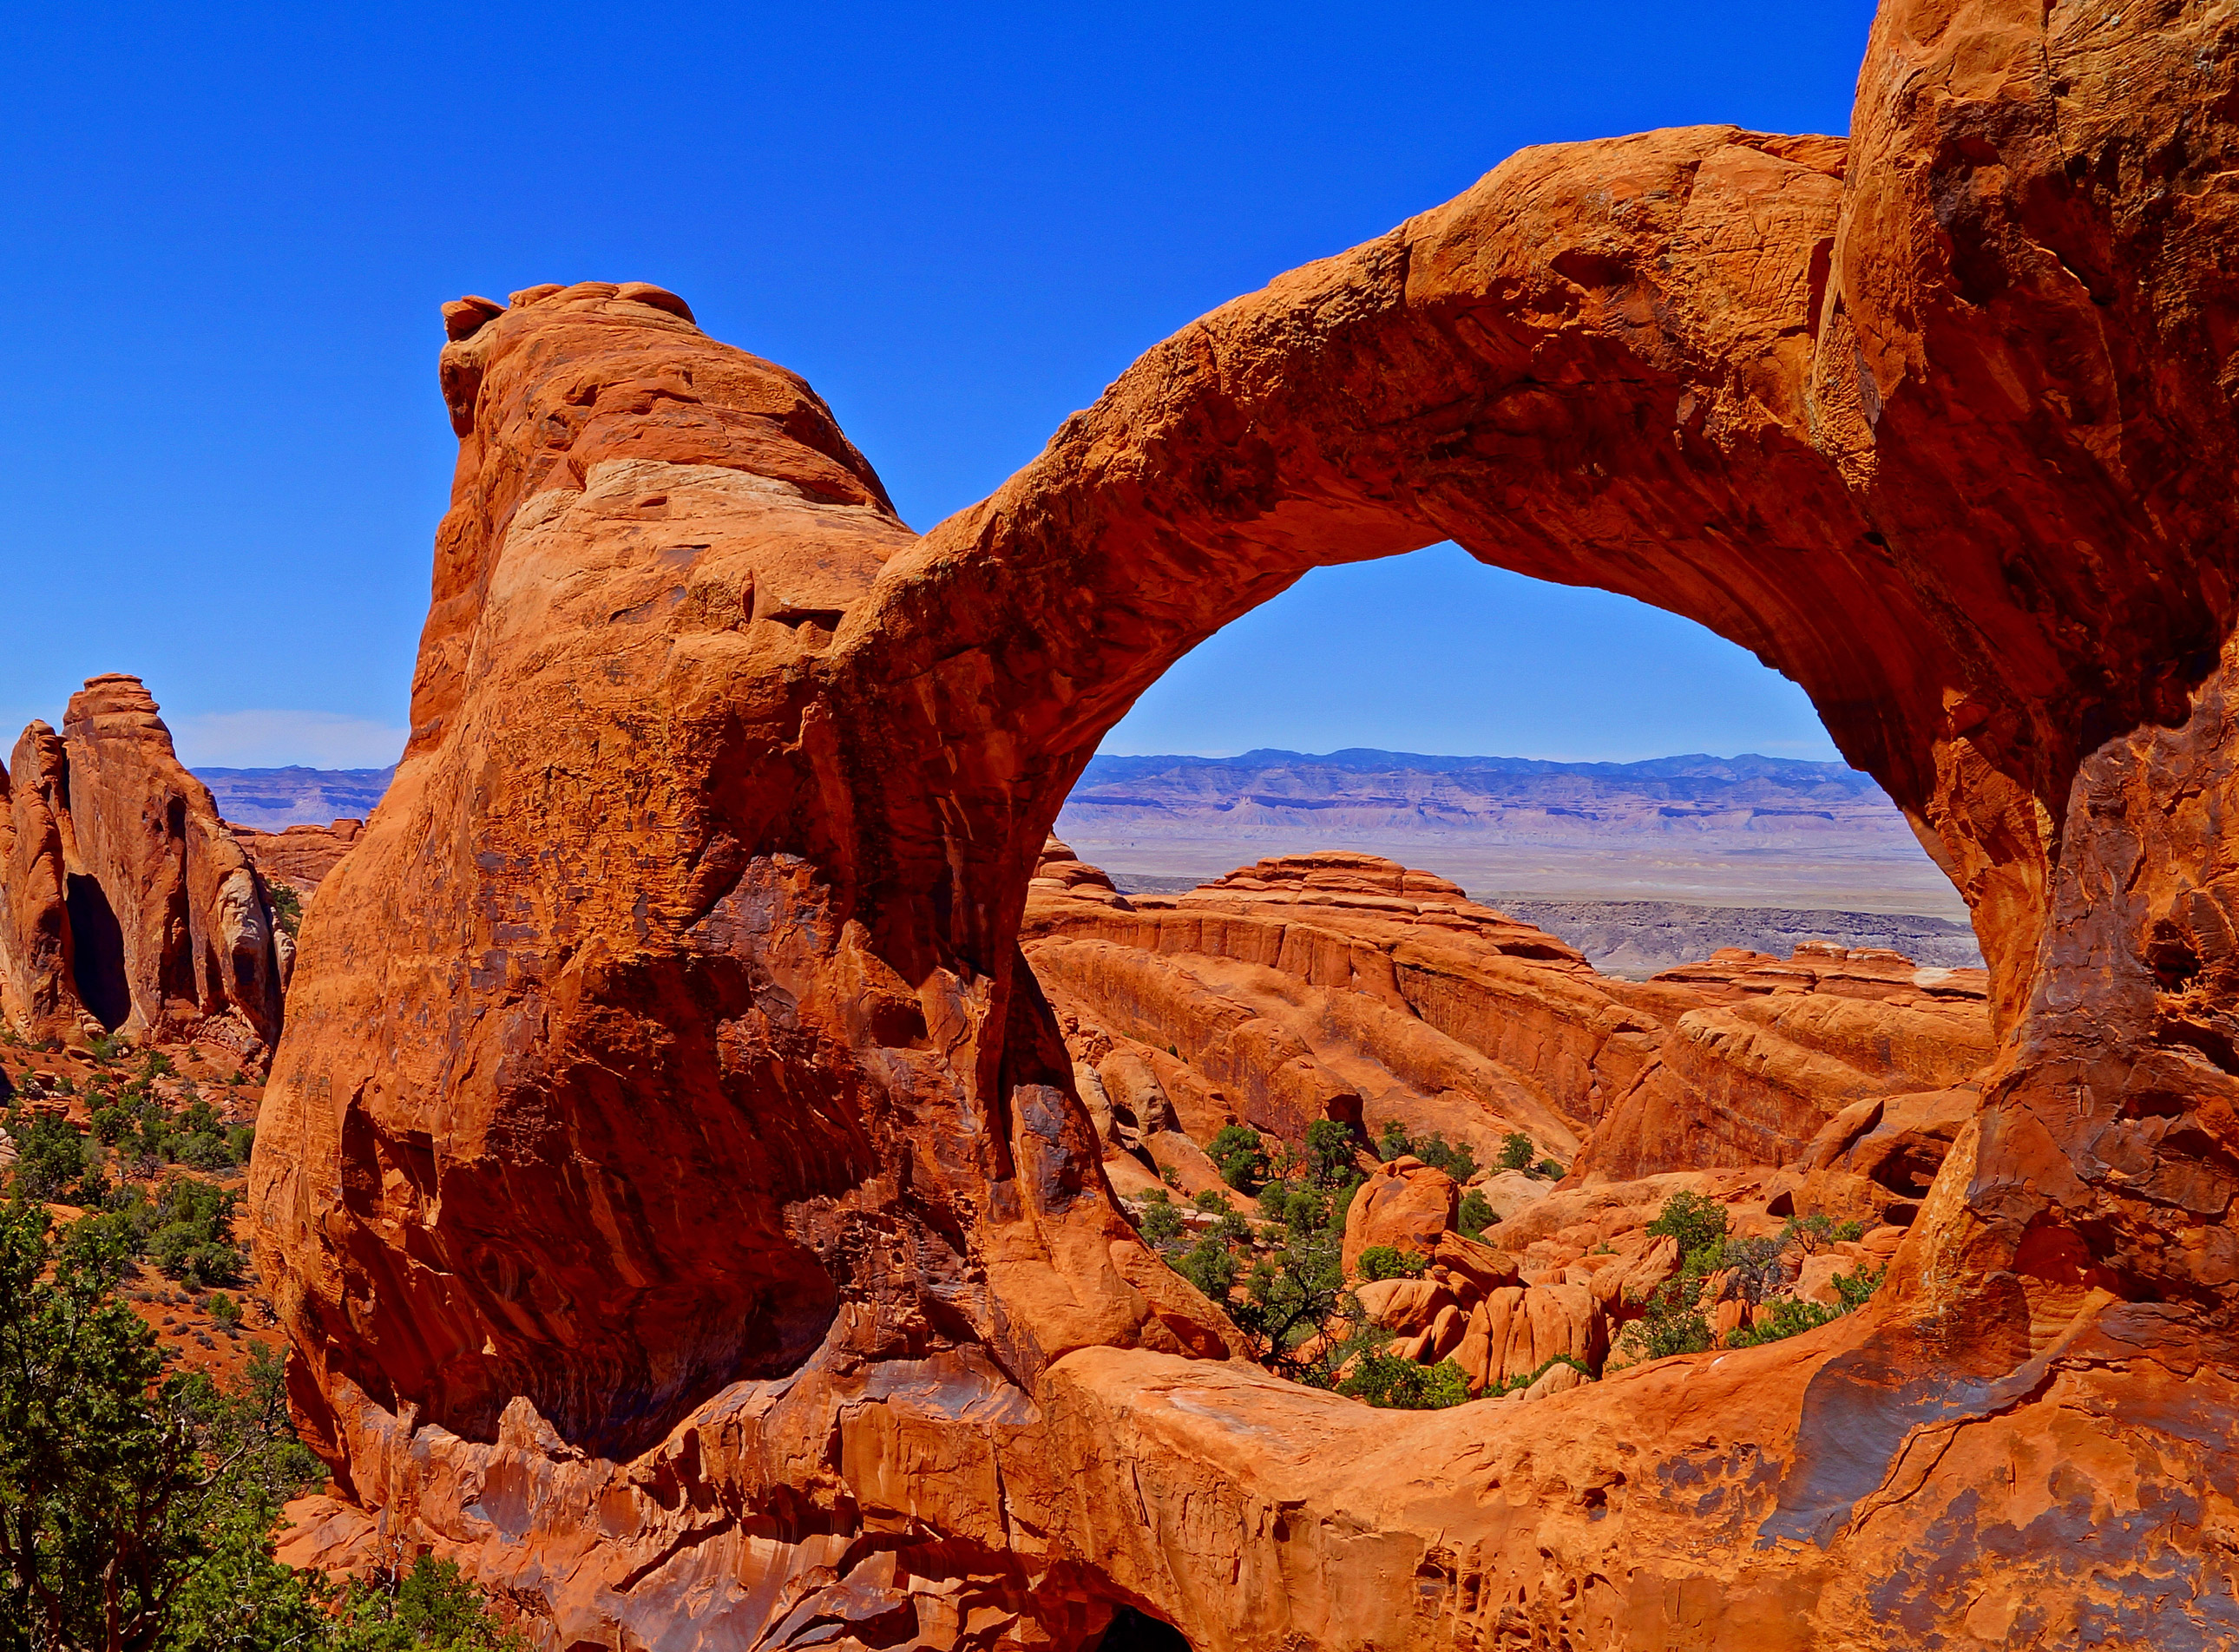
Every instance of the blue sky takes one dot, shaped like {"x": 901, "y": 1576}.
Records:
{"x": 228, "y": 233}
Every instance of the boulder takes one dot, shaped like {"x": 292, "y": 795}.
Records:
{"x": 1406, "y": 1205}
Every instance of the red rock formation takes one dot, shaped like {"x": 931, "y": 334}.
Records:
{"x": 1345, "y": 985}
{"x": 128, "y": 905}
{"x": 38, "y": 985}
{"x": 299, "y": 856}
{"x": 684, "y": 1214}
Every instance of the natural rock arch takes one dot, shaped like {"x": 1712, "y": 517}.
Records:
{"x": 679, "y": 1205}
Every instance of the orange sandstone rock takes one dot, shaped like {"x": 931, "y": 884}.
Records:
{"x": 683, "y": 1210}
{"x": 299, "y": 856}
{"x": 127, "y": 904}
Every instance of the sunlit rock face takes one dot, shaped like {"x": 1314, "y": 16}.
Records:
{"x": 679, "y": 1199}
{"x": 126, "y": 906}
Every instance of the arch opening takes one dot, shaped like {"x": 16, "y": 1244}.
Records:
{"x": 97, "y": 955}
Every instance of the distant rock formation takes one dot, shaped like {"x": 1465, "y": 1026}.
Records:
{"x": 127, "y": 906}
{"x": 298, "y": 856}
{"x": 1409, "y": 793}
{"x": 273, "y": 799}
{"x": 1347, "y": 986}
{"x": 1637, "y": 939}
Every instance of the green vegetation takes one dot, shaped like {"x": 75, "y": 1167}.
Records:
{"x": 1673, "y": 1320}
{"x": 1291, "y": 1294}
{"x": 1402, "y": 1385}
{"x": 1476, "y": 1215}
{"x": 1240, "y": 1158}
{"x": 1330, "y": 1148}
{"x": 55, "y": 1164}
{"x": 287, "y": 907}
{"x": 137, "y": 1125}
{"x": 1382, "y": 1261}
{"x": 1162, "y": 1218}
{"x": 1456, "y": 1160}
{"x": 1789, "y": 1317}
{"x": 134, "y": 1510}
{"x": 1698, "y": 1224}
{"x": 1515, "y": 1151}
{"x": 1210, "y": 1266}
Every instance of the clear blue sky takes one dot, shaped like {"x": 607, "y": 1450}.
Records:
{"x": 228, "y": 229}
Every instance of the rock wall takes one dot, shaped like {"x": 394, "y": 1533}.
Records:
{"x": 683, "y": 1211}
{"x": 1345, "y": 985}
{"x": 299, "y": 856}
{"x": 128, "y": 908}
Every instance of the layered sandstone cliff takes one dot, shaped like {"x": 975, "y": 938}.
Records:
{"x": 298, "y": 856}
{"x": 126, "y": 906}
{"x": 1345, "y": 985}
{"x": 682, "y": 1207}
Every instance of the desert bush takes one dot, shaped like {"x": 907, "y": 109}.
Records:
{"x": 1238, "y": 1154}
{"x": 55, "y": 1163}
{"x": 1384, "y": 1262}
{"x": 1698, "y": 1224}
{"x": 1789, "y": 1317}
{"x": 1210, "y": 1266}
{"x": 1515, "y": 1151}
{"x": 1476, "y": 1215}
{"x": 1162, "y": 1218}
{"x": 1402, "y": 1385}
{"x": 1330, "y": 1147}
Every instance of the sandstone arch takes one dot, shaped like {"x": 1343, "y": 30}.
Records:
{"x": 678, "y": 972}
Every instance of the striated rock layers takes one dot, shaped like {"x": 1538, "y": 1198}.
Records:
{"x": 674, "y": 1180}
{"x": 1347, "y": 986}
{"x": 125, "y": 904}
{"x": 299, "y": 856}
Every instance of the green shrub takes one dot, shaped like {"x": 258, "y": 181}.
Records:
{"x": 1698, "y": 1224}
{"x": 1548, "y": 1171}
{"x": 287, "y": 906}
{"x": 1456, "y": 1160}
{"x": 54, "y": 1164}
{"x": 1329, "y": 1152}
{"x": 1341, "y": 1205}
{"x": 189, "y": 1229}
{"x": 1476, "y": 1214}
{"x": 1162, "y": 1218}
{"x": 157, "y": 1065}
{"x": 224, "y": 1310}
{"x": 1402, "y": 1385}
{"x": 1238, "y": 1156}
{"x": 1857, "y": 1288}
{"x": 1673, "y": 1321}
{"x": 1394, "y": 1143}
{"x": 1209, "y": 1266}
{"x": 1291, "y": 1294}
{"x": 1790, "y": 1316}
{"x": 1384, "y": 1262}
{"x": 1515, "y": 1151}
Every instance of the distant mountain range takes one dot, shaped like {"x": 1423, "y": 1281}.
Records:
{"x": 273, "y": 798}
{"x": 1516, "y": 798}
